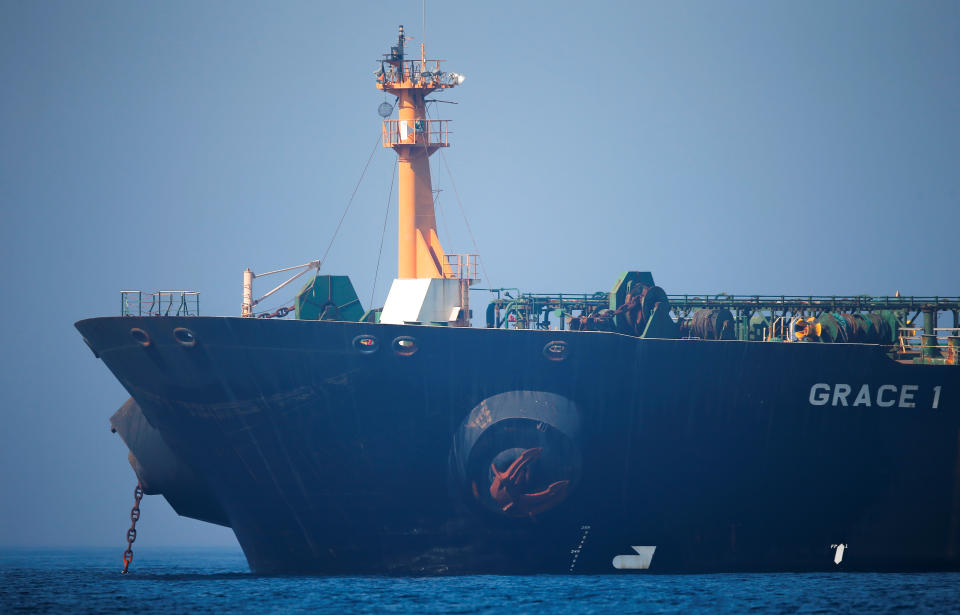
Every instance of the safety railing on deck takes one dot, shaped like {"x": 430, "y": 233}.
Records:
{"x": 912, "y": 340}
{"x": 160, "y": 303}
{"x": 464, "y": 266}
{"x": 781, "y": 330}
{"x": 778, "y": 312}
{"x": 434, "y": 133}
{"x": 815, "y": 303}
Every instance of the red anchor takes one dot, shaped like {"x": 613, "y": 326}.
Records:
{"x": 507, "y": 487}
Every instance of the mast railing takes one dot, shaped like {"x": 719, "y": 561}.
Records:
{"x": 463, "y": 266}
{"x": 415, "y": 73}
{"x": 416, "y": 132}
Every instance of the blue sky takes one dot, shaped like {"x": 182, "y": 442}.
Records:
{"x": 745, "y": 147}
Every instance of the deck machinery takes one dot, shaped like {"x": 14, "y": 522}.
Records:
{"x": 754, "y": 317}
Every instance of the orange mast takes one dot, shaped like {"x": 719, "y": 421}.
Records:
{"x": 415, "y": 138}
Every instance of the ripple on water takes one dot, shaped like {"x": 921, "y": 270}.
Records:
{"x": 180, "y": 580}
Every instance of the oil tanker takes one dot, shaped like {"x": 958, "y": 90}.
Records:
{"x": 608, "y": 432}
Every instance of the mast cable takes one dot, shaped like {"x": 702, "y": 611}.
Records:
{"x": 463, "y": 212}
{"x": 350, "y": 202}
{"x": 386, "y": 217}
{"x": 438, "y": 207}
{"x": 317, "y": 264}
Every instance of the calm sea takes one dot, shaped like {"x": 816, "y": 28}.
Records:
{"x": 204, "y": 580}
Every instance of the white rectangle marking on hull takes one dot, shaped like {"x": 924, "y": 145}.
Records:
{"x": 640, "y": 561}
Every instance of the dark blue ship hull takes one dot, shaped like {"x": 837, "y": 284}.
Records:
{"x": 331, "y": 447}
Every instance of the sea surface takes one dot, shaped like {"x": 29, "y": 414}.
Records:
{"x": 205, "y": 580}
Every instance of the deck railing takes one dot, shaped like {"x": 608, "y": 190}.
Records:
{"x": 816, "y": 303}
{"x": 777, "y": 310}
{"x": 912, "y": 339}
{"x": 160, "y": 303}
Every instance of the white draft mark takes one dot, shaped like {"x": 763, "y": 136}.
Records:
{"x": 838, "y": 553}
{"x": 640, "y": 561}
{"x": 576, "y": 551}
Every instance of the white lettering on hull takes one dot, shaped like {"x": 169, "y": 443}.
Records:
{"x": 819, "y": 394}
{"x": 880, "y": 401}
{"x": 885, "y": 396}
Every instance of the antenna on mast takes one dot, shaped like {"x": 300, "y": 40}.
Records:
{"x": 396, "y": 52}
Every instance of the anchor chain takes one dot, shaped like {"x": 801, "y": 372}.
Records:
{"x": 280, "y": 313}
{"x": 132, "y": 532}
